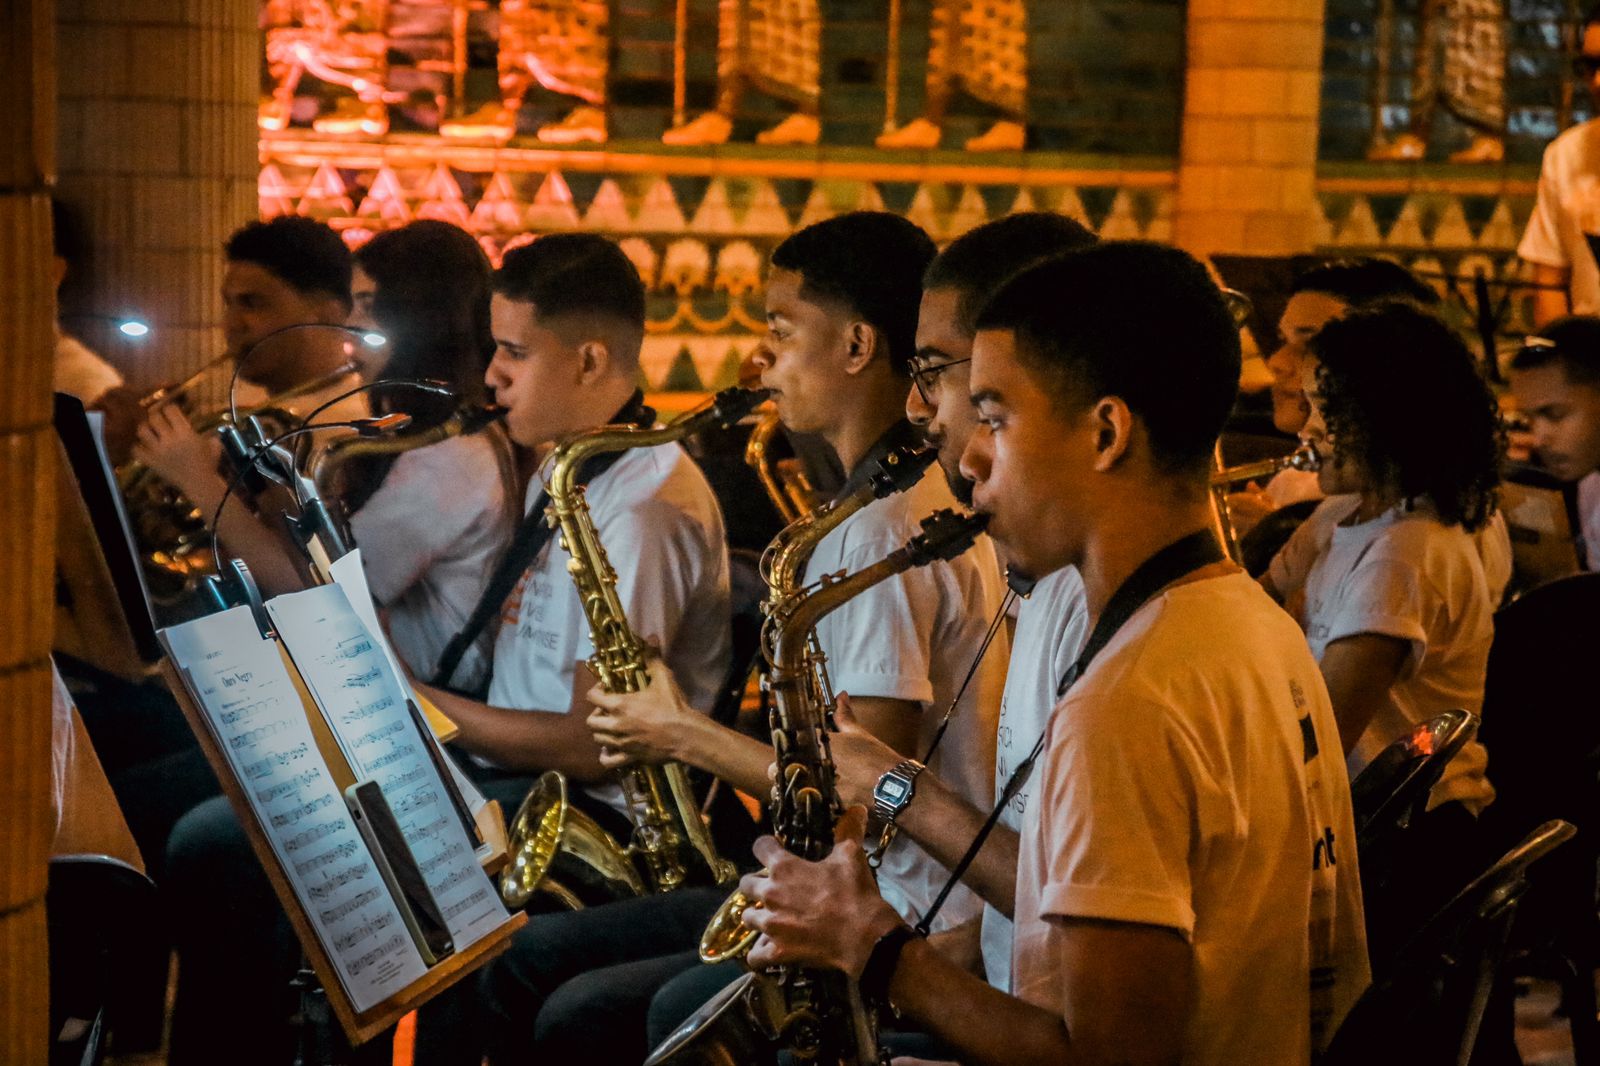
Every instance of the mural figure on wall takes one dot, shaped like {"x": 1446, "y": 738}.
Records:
{"x": 981, "y": 47}
{"x": 562, "y": 46}
{"x": 774, "y": 47}
{"x": 343, "y": 44}
{"x": 1460, "y": 65}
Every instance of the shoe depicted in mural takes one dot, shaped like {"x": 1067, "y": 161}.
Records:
{"x": 1459, "y": 64}
{"x": 979, "y": 47}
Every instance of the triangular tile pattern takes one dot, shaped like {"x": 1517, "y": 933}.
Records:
{"x": 325, "y": 196}
{"x": 552, "y": 207}
{"x": 385, "y": 200}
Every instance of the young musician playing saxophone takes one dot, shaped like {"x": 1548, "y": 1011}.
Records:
{"x": 431, "y": 526}
{"x": 1186, "y": 885}
{"x": 841, "y": 309}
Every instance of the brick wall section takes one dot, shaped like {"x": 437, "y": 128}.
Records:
{"x": 1247, "y": 158}
{"x": 158, "y": 154}
{"x": 27, "y": 523}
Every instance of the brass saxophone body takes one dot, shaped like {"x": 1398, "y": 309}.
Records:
{"x": 790, "y": 491}
{"x": 670, "y": 838}
{"x": 817, "y": 1014}
{"x": 329, "y": 461}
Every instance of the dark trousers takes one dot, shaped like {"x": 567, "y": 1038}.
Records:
{"x": 576, "y": 986}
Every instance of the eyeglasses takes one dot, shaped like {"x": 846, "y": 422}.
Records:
{"x": 926, "y": 378}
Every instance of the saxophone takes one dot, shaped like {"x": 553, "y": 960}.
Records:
{"x": 817, "y": 1014}
{"x": 789, "y": 489}
{"x": 670, "y": 838}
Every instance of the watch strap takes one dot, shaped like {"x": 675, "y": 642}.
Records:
{"x": 877, "y": 974}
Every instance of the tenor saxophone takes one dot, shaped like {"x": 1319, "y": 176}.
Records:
{"x": 789, "y": 489}
{"x": 817, "y": 1014}
{"x": 669, "y": 836}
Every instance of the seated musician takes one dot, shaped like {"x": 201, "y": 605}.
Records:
{"x": 1051, "y": 623}
{"x": 1556, "y": 381}
{"x": 1320, "y": 295}
{"x": 1183, "y": 891}
{"x": 841, "y": 302}
{"x": 281, "y": 275}
{"x": 431, "y": 522}
{"x": 568, "y": 318}
{"x": 1385, "y": 577}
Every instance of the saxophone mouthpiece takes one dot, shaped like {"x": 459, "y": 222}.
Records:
{"x": 945, "y": 535}
{"x": 482, "y": 417}
{"x": 732, "y": 405}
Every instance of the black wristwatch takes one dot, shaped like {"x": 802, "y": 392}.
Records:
{"x": 895, "y": 789}
{"x": 879, "y": 970}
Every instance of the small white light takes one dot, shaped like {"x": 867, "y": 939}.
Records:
{"x": 374, "y": 340}
{"x": 132, "y": 327}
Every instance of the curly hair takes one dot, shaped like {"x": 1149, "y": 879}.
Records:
{"x": 1375, "y": 365}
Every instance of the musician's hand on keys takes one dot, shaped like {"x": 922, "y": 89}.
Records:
{"x": 826, "y": 914}
{"x": 642, "y": 726}
{"x": 169, "y": 446}
{"x": 859, "y": 757}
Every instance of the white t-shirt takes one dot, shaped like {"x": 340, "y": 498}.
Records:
{"x": 663, "y": 534}
{"x": 1589, "y": 519}
{"x": 430, "y": 537}
{"x": 913, "y": 637}
{"x": 1191, "y": 780}
{"x": 1052, "y": 628}
{"x": 1406, "y": 575}
{"x": 1567, "y": 207}
{"x": 1292, "y": 486}
{"x": 80, "y": 372}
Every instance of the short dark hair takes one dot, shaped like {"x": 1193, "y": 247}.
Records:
{"x": 870, "y": 261}
{"x": 1364, "y": 280}
{"x": 980, "y": 261}
{"x": 1132, "y": 319}
{"x": 302, "y": 252}
{"x": 1572, "y": 342}
{"x": 574, "y": 274}
{"x": 1374, "y": 363}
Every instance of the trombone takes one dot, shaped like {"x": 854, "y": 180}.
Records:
{"x": 1223, "y": 478}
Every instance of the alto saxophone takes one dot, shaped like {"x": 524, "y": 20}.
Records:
{"x": 817, "y": 1014}
{"x": 790, "y": 491}
{"x": 669, "y": 837}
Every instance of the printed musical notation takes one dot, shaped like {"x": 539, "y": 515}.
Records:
{"x": 349, "y": 671}
{"x": 251, "y": 706}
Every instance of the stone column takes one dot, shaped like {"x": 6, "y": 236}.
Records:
{"x": 1247, "y": 162}
{"x": 27, "y": 521}
{"x": 158, "y": 154}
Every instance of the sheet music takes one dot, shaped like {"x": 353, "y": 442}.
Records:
{"x": 364, "y": 702}
{"x": 250, "y": 703}
{"x": 349, "y": 574}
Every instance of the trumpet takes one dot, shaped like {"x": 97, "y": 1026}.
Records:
{"x": 1223, "y": 478}
{"x": 790, "y": 491}
{"x": 670, "y": 838}
{"x": 173, "y": 542}
{"x": 818, "y": 1014}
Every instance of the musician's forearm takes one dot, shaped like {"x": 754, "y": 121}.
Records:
{"x": 530, "y": 741}
{"x": 989, "y": 1027}
{"x": 945, "y": 824}
{"x": 739, "y": 760}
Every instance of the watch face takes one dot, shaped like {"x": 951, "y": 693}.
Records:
{"x": 893, "y": 790}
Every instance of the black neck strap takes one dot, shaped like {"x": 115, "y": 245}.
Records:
{"x": 530, "y": 538}
{"x": 1177, "y": 560}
